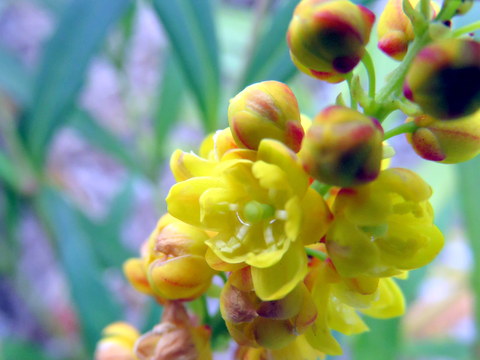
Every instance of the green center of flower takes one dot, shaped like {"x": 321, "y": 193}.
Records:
{"x": 255, "y": 211}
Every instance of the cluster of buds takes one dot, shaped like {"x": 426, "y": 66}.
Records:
{"x": 303, "y": 220}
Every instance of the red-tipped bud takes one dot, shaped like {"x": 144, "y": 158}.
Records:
{"x": 328, "y": 36}
{"x": 343, "y": 147}
{"x": 448, "y": 142}
{"x": 444, "y": 79}
{"x": 267, "y": 109}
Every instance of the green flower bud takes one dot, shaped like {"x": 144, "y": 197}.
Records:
{"x": 342, "y": 147}
{"x": 444, "y": 79}
{"x": 447, "y": 142}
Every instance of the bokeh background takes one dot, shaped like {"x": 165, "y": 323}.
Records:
{"x": 95, "y": 95}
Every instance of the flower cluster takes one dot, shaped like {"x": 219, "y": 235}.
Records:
{"x": 303, "y": 219}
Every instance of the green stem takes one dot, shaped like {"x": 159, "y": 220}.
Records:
{"x": 466, "y": 29}
{"x": 315, "y": 253}
{"x": 223, "y": 276}
{"x": 385, "y": 98}
{"x": 425, "y": 8}
{"x": 368, "y": 63}
{"x": 353, "y": 103}
{"x": 206, "y": 315}
{"x": 320, "y": 188}
{"x": 401, "y": 129}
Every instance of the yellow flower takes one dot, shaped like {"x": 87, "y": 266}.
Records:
{"x": 329, "y": 36}
{"x": 262, "y": 210}
{"x": 384, "y": 227}
{"x": 176, "y": 337}
{"x": 173, "y": 262}
{"x": 117, "y": 342}
{"x": 268, "y": 324}
{"x": 299, "y": 349}
{"x": 268, "y": 109}
{"x": 447, "y": 142}
{"x": 395, "y": 30}
{"x": 342, "y": 147}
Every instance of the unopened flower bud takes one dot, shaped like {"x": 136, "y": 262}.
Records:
{"x": 448, "y": 142}
{"x": 269, "y": 324}
{"x": 331, "y": 77}
{"x": 267, "y": 109}
{"x": 395, "y": 30}
{"x": 117, "y": 342}
{"x": 342, "y": 147}
{"x": 178, "y": 269}
{"x": 173, "y": 262}
{"x": 176, "y": 337}
{"x": 444, "y": 79}
{"x": 329, "y": 36}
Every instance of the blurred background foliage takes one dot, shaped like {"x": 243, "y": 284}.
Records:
{"x": 94, "y": 96}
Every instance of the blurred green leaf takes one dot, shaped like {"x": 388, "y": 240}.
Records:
{"x": 271, "y": 59}
{"x": 14, "y": 77}
{"x": 383, "y": 340}
{"x": 169, "y": 106}
{"x": 19, "y": 349}
{"x": 444, "y": 349}
{"x": 81, "y": 30}
{"x": 105, "y": 236}
{"x": 8, "y": 172}
{"x": 469, "y": 180}
{"x": 191, "y": 31}
{"x": 95, "y": 306}
{"x": 103, "y": 139}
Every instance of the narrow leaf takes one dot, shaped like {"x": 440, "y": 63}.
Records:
{"x": 81, "y": 30}
{"x": 103, "y": 139}
{"x": 383, "y": 340}
{"x": 95, "y": 306}
{"x": 169, "y": 106}
{"x": 14, "y": 77}
{"x": 8, "y": 172}
{"x": 271, "y": 51}
{"x": 189, "y": 26}
{"x": 469, "y": 179}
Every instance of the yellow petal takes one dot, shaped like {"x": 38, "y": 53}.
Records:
{"x": 183, "y": 198}
{"x": 276, "y": 153}
{"x": 276, "y": 281}
{"x": 187, "y": 165}
{"x": 390, "y": 302}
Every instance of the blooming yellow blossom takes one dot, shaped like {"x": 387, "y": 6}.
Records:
{"x": 384, "y": 227}
{"x": 262, "y": 210}
{"x": 117, "y": 342}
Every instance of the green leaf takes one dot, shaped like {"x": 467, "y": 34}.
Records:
{"x": 271, "y": 59}
{"x": 444, "y": 349}
{"x": 8, "y": 172}
{"x": 169, "y": 106}
{"x": 190, "y": 28}
{"x": 20, "y": 349}
{"x": 469, "y": 180}
{"x": 93, "y": 302}
{"x": 14, "y": 78}
{"x": 383, "y": 340}
{"x": 105, "y": 236}
{"x": 103, "y": 139}
{"x": 80, "y": 32}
